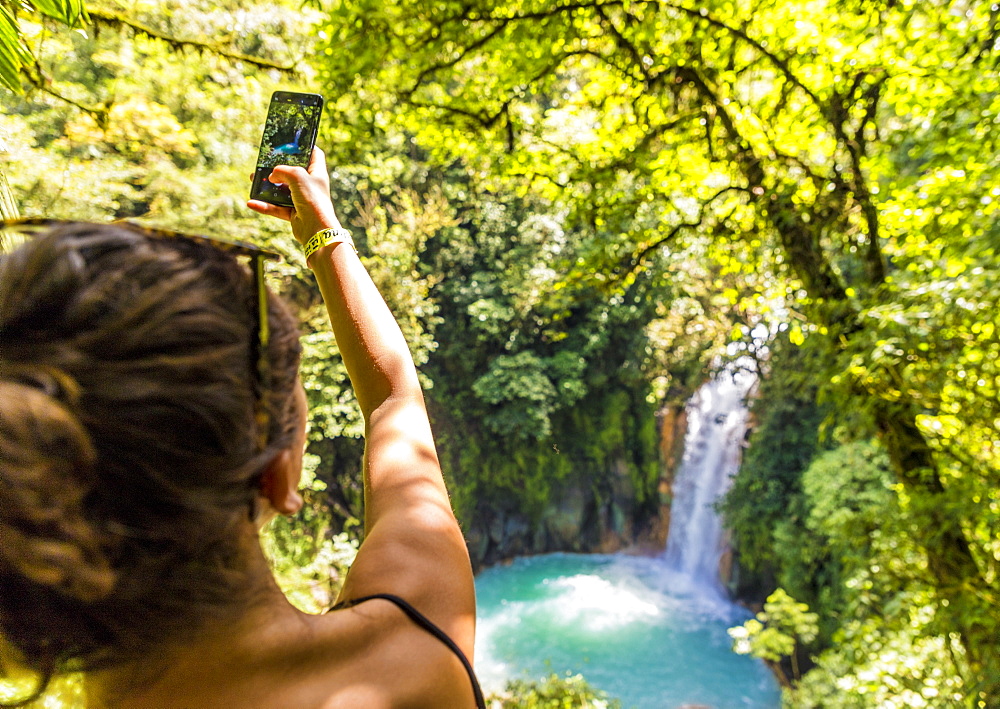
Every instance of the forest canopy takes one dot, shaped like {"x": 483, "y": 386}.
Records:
{"x": 579, "y": 210}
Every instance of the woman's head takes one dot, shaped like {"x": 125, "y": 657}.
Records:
{"x": 129, "y": 451}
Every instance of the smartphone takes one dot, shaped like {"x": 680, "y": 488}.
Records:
{"x": 289, "y": 136}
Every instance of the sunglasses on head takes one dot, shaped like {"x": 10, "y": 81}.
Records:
{"x": 28, "y": 227}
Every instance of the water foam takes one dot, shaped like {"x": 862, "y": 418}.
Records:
{"x": 597, "y": 604}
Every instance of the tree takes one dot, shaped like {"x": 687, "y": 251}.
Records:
{"x": 776, "y": 632}
{"x": 810, "y": 141}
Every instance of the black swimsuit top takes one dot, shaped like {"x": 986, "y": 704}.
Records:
{"x": 425, "y": 623}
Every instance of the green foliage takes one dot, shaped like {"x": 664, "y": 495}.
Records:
{"x": 857, "y": 519}
{"x": 309, "y": 553}
{"x": 309, "y": 562}
{"x": 8, "y": 207}
{"x": 525, "y": 390}
{"x": 552, "y": 692}
{"x": 517, "y": 365}
{"x": 777, "y": 630}
{"x": 846, "y": 545}
{"x": 838, "y": 524}
{"x": 786, "y": 421}
{"x": 895, "y": 665}
{"x": 14, "y": 50}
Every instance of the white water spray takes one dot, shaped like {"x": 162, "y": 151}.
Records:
{"x": 717, "y": 424}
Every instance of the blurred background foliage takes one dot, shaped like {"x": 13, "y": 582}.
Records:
{"x": 577, "y": 211}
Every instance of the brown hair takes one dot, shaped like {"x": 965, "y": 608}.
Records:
{"x": 128, "y": 449}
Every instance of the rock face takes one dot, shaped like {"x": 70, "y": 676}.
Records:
{"x": 562, "y": 522}
{"x": 576, "y": 520}
{"x": 673, "y": 427}
{"x": 597, "y": 511}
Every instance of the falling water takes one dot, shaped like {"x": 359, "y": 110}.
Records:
{"x": 717, "y": 424}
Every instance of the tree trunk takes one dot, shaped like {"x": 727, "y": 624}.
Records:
{"x": 963, "y": 591}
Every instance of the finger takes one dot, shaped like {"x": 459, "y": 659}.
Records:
{"x": 295, "y": 178}
{"x": 317, "y": 162}
{"x": 271, "y": 210}
{"x": 287, "y": 175}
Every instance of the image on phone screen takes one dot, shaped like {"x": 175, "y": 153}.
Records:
{"x": 289, "y": 135}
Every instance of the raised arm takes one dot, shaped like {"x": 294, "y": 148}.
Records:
{"x": 413, "y": 546}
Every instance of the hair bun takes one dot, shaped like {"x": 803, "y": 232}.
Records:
{"x": 46, "y": 470}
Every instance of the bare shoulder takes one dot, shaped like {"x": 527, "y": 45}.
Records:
{"x": 370, "y": 655}
{"x": 388, "y": 660}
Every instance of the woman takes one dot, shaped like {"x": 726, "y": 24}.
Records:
{"x": 141, "y": 450}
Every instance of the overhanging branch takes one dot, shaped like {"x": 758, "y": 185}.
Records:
{"x": 114, "y": 19}
{"x": 636, "y": 259}
{"x": 41, "y": 81}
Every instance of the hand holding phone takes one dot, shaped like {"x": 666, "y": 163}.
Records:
{"x": 289, "y": 137}
{"x": 310, "y": 189}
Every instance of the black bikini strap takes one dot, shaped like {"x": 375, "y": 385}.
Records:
{"x": 425, "y": 623}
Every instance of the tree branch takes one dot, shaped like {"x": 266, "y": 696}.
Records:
{"x": 626, "y": 45}
{"x": 487, "y": 120}
{"x": 874, "y": 258}
{"x": 631, "y": 265}
{"x": 434, "y": 68}
{"x": 483, "y": 119}
{"x": 540, "y": 176}
{"x": 43, "y": 82}
{"x": 779, "y": 63}
{"x": 115, "y": 19}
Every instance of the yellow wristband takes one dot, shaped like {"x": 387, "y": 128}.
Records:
{"x": 326, "y": 237}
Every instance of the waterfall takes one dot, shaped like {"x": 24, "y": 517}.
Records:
{"x": 717, "y": 424}
{"x": 649, "y": 631}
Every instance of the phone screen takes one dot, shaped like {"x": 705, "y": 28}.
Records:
{"x": 289, "y": 137}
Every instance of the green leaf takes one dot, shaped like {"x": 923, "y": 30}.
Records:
{"x": 13, "y": 53}
{"x": 68, "y": 12}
